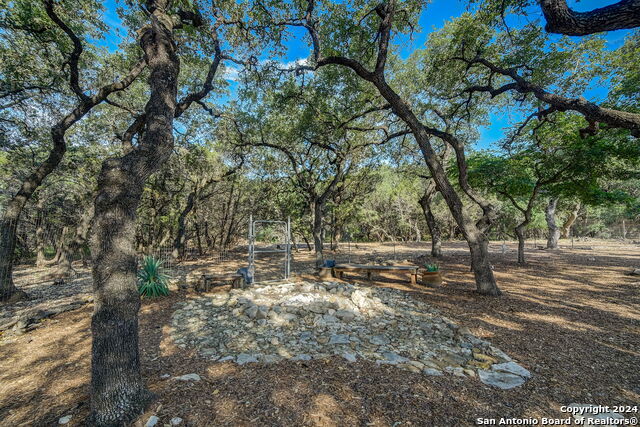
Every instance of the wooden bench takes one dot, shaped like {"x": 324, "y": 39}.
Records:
{"x": 208, "y": 281}
{"x": 340, "y": 269}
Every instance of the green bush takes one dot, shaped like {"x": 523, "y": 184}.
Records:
{"x": 152, "y": 281}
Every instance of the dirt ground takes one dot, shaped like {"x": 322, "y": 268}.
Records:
{"x": 571, "y": 316}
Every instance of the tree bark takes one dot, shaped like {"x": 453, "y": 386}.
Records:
{"x": 317, "y": 208}
{"x": 550, "y": 216}
{"x": 8, "y": 290}
{"x": 337, "y": 237}
{"x": 521, "y": 242}
{"x": 573, "y": 215}
{"x": 198, "y": 234}
{"x": 40, "y": 235}
{"x": 306, "y": 242}
{"x": 207, "y": 237}
{"x": 68, "y": 248}
{"x": 561, "y": 19}
{"x": 434, "y": 227}
{"x": 180, "y": 240}
{"x": 118, "y": 393}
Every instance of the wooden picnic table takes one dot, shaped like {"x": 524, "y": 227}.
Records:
{"x": 340, "y": 269}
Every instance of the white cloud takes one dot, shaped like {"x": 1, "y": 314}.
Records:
{"x": 231, "y": 73}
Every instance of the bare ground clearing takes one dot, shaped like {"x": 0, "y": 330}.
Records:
{"x": 570, "y": 316}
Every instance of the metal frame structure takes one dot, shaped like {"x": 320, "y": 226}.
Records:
{"x": 286, "y": 250}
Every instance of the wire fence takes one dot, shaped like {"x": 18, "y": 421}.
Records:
{"x": 43, "y": 254}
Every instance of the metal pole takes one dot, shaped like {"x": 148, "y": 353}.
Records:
{"x": 288, "y": 249}
{"x": 251, "y": 248}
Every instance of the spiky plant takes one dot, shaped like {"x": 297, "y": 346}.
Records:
{"x": 152, "y": 281}
{"x": 431, "y": 268}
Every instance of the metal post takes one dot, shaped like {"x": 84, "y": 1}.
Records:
{"x": 251, "y": 247}
{"x": 287, "y": 270}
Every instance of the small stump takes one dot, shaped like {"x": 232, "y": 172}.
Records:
{"x": 325, "y": 272}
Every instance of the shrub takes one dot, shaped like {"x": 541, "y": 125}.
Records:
{"x": 152, "y": 281}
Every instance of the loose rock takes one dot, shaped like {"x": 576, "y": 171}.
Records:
{"x": 188, "y": 377}
{"x": 273, "y": 323}
{"x": 65, "y": 419}
{"x": 152, "y": 421}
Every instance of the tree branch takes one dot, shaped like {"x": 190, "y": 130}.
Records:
{"x": 592, "y": 112}
{"x": 563, "y": 20}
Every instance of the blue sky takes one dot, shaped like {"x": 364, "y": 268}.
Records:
{"x": 433, "y": 17}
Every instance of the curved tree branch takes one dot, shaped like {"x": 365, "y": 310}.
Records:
{"x": 561, "y": 19}
{"x": 592, "y": 112}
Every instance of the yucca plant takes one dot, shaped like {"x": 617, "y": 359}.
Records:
{"x": 152, "y": 281}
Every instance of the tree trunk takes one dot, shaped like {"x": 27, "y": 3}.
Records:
{"x": 294, "y": 242}
{"x": 207, "y": 236}
{"x": 180, "y": 240}
{"x": 316, "y": 208}
{"x": 573, "y": 215}
{"x": 9, "y": 222}
{"x": 434, "y": 227}
{"x": 8, "y": 291}
{"x": 336, "y": 238}
{"x": 198, "y": 238}
{"x": 68, "y": 248}
{"x": 521, "y": 241}
{"x": 550, "y": 216}
{"x": 231, "y": 219}
{"x": 63, "y": 269}
{"x": 306, "y": 241}
{"x": 475, "y": 237}
{"x": 40, "y": 235}
{"x": 118, "y": 393}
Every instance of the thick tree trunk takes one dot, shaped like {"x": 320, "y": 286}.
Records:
{"x": 118, "y": 393}
{"x": 317, "y": 208}
{"x": 434, "y": 227}
{"x": 573, "y": 215}
{"x": 550, "y": 216}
